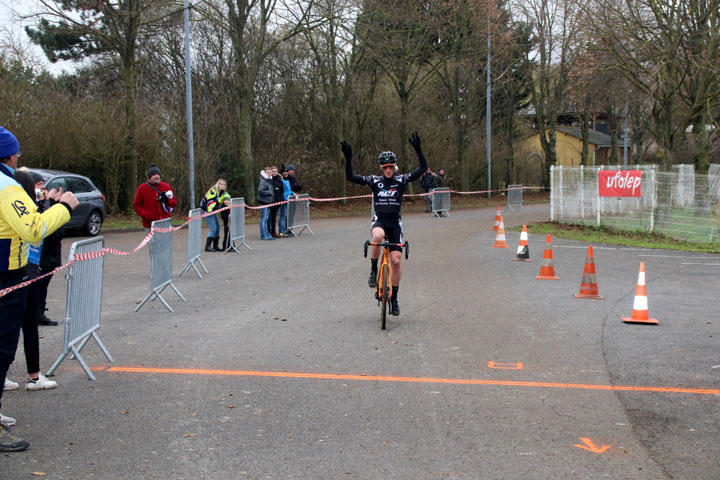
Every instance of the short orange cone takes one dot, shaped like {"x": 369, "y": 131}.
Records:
{"x": 523, "y": 251}
{"x": 547, "y": 268}
{"x": 498, "y": 217}
{"x": 640, "y": 305}
{"x": 500, "y": 237}
{"x": 588, "y": 285}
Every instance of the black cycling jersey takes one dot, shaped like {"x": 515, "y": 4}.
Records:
{"x": 387, "y": 192}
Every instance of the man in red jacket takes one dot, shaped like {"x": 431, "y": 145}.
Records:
{"x": 154, "y": 199}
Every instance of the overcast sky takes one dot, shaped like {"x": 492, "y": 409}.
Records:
{"x": 12, "y": 33}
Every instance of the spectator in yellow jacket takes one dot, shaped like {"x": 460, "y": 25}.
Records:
{"x": 20, "y": 225}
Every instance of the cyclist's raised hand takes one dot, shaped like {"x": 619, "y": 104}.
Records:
{"x": 415, "y": 141}
{"x": 346, "y": 149}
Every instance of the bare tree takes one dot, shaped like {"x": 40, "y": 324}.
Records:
{"x": 670, "y": 51}
{"x": 331, "y": 45}
{"x": 255, "y": 28}
{"x": 73, "y": 29}
{"x": 402, "y": 38}
{"x": 555, "y": 35}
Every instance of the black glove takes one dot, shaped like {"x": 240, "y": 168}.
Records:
{"x": 347, "y": 150}
{"x": 415, "y": 141}
{"x": 163, "y": 198}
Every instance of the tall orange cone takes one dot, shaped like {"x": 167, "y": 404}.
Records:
{"x": 640, "y": 305}
{"x": 588, "y": 285}
{"x": 523, "y": 251}
{"x": 498, "y": 217}
{"x": 547, "y": 268}
{"x": 500, "y": 237}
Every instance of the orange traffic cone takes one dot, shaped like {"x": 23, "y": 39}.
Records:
{"x": 500, "y": 237}
{"x": 547, "y": 268}
{"x": 640, "y": 305}
{"x": 523, "y": 251}
{"x": 588, "y": 285}
{"x": 498, "y": 217}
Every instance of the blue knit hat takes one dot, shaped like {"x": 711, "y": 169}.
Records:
{"x": 291, "y": 167}
{"x": 9, "y": 145}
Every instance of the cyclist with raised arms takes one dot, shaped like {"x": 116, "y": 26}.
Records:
{"x": 388, "y": 190}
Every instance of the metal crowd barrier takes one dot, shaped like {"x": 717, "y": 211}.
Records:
{"x": 160, "y": 262}
{"x": 194, "y": 244}
{"x": 515, "y": 197}
{"x": 83, "y": 304}
{"x": 237, "y": 223}
{"x": 298, "y": 214}
{"x": 441, "y": 202}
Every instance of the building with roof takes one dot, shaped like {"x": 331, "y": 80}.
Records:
{"x": 568, "y": 147}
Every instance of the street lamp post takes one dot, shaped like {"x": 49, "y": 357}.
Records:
{"x": 188, "y": 109}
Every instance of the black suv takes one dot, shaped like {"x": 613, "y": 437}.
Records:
{"x": 89, "y": 215}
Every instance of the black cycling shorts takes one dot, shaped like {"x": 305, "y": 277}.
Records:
{"x": 393, "y": 231}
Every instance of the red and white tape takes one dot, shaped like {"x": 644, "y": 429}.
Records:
{"x": 92, "y": 255}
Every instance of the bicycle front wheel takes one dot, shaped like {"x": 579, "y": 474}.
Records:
{"x": 384, "y": 294}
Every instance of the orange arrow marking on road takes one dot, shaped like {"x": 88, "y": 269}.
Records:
{"x": 591, "y": 447}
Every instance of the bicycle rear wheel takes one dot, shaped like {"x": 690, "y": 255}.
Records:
{"x": 384, "y": 294}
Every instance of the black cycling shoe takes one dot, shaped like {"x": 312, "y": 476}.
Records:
{"x": 394, "y": 307}
{"x": 372, "y": 281}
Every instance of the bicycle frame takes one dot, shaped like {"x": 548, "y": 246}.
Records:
{"x": 383, "y": 290}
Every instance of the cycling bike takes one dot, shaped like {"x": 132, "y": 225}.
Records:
{"x": 383, "y": 291}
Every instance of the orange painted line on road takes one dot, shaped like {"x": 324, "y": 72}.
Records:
{"x": 380, "y": 378}
{"x": 505, "y": 366}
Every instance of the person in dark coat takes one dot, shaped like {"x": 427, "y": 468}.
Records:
{"x": 294, "y": 185}
{"x": 440, "y": 181}
{"x": 278, "y": 190}
{"x": 427, "y": 183}
{"x": 51, "y": 256}
{"x": 265, "y": 196}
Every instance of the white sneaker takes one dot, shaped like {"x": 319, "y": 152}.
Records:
{"x": 42, "y": 383}
{"x": 10, "y": 385}
{"x": 6, "y": 421}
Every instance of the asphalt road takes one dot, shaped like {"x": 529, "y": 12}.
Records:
{"x": 276, "y": 368}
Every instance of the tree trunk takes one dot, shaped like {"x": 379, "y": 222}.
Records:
{"x": 612, "y": 131}
{"x": 246, "y": 164}
{"x": 700, "y": 145}
{"x": 129, "y": 139}
{"x": 585, "y": 133}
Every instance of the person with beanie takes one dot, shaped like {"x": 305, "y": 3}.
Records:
{"x": 294, "y": 185}
{"x": 154, "y": 199}
{"x": 31, "y": 338}
{"x": 20, "y": 225}
{"x": 426, "y": 182}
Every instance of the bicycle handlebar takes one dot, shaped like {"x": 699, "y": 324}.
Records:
{"x": 405, "y": 245}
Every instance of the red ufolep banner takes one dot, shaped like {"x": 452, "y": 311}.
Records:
{"x": 619, "y": 183}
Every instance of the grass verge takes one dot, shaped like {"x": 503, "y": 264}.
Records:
{"x": 643, "y": 239}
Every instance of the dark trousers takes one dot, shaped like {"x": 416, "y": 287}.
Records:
{"x": 12, "y": 307}
{"x": 428, "y": 202}
{"x": 225, "y": 215}
{"x": 272, "y": 219}
{"x": 31, "y": 338}
{"x": 42, "y": 286}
